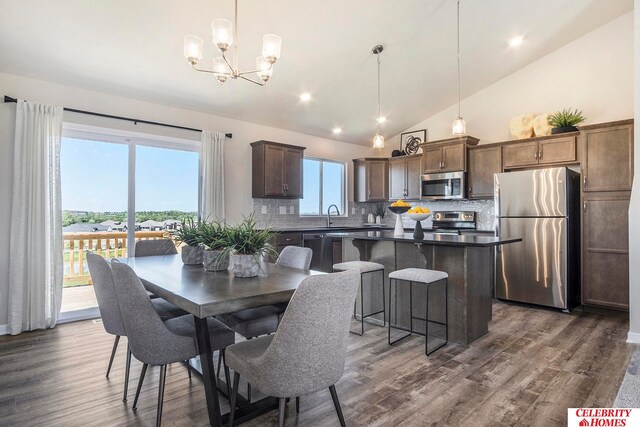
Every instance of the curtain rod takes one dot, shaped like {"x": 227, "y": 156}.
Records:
{"x": 128, "y": 119}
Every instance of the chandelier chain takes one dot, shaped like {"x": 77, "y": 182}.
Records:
{"x": 379, "y": 109}
{"x": 458, "y": 48}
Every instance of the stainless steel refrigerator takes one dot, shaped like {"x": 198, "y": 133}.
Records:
{"x": 543, "y": 207}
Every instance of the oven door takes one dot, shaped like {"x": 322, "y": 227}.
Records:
{"x": 444, "y": 186}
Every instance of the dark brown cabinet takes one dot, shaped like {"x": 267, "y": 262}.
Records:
{"x": 607, "y": 157}
{"x": 371, "y": 179}
{"x": 607, "y": 174}
{"x": 444, "y": 158}
{"x": 482, "y": 164}
{"x": 404, "y": 177}
{"x": 605, "y": 251}
{"x": 277, "y": 170}
{"x": 540, "y": 151}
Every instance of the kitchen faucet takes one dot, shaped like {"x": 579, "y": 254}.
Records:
{"x": 329, "y": 214}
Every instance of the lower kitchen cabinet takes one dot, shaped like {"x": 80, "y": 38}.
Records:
{"x": 605, "y": 250}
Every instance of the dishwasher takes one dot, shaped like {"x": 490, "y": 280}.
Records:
{"x": 327, "y": 250}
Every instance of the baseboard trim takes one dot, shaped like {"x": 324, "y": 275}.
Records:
{"x": 633, "y": 337}
{"x": 3, "y": 330}
{"x": 78, "y": 315}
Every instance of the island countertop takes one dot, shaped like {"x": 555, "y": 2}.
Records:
{"x": 429, "y": 238}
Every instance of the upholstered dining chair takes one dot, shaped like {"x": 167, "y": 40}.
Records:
{"x": 155, "y": 247}
{"x": 254, "y": 322}
{"x": 152, "y": 341}
{"x": 308, "y": 351}
{"x": 103, "y": 286}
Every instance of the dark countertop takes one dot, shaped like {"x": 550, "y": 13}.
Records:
{"x": 320, "y": 229}
{"x": 429, "y": 238}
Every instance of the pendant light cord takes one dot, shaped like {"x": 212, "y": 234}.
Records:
{"x": 458, "y": 19}
{"x": 379, "y": 111}
{"x": 235, "y": 38}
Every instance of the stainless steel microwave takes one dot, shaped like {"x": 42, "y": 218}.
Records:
{"x": 444, "y": 186}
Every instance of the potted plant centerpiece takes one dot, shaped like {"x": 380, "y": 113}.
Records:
{"x": 246, "y": 245}
{"x": 188, "y": 235}
{"x": 565, "y": 121}
{"x": 213, "y": 239}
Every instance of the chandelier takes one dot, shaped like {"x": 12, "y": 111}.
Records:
{"x": 378, "y": 140}
{"x": 225, "y": 35}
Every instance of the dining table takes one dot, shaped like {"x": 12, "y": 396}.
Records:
{"x": 202, "y": 294}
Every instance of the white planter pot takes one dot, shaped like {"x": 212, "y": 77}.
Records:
{"x": 191, "y": 255}
{"x": 215, "y": 261}
{"x": 245, "y": 265}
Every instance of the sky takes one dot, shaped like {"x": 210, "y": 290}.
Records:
{"x": 332, "y": 187}
{"x": 94, "y": 177}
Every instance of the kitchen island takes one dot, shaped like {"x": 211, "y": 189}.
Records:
{"x": 468, "y": 260}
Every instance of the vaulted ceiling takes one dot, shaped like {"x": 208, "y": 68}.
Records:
{"x": 134, "y": 48}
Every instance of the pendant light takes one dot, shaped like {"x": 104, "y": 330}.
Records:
{"x": 378, "y": 140}
{"x": 459, "y": 127}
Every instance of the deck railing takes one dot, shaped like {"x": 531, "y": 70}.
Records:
{"x": 106, "y": 244}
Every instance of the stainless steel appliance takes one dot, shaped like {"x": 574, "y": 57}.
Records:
{"x": 543, "y": 207}
{"x": 453, "y": 221}
{"x": 327, "y": 250}
{"x": 444, "y": 186}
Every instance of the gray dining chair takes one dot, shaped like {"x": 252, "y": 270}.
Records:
{"x": 254, "y": 322}
{"x": 103, "y": 286}
{"x": 156, "y": 342}
{"x": 155, "y": 247}
{"x": 308, "y": 351}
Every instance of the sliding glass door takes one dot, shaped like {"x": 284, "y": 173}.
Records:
{"x": 116, "y": 190}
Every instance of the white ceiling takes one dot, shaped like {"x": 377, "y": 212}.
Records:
{"x": 134, "y": 48}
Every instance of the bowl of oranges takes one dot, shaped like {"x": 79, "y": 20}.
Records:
{"x": 419, "y": 213}
{"x": 399, "y": 207}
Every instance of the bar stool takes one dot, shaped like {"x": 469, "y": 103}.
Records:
{"x": 364, "y": 267}
{"x": 428, "y": 278}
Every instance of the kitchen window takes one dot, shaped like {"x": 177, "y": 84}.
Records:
{"x": 324, "y": 185}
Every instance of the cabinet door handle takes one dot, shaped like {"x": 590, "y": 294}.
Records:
{"x": 540, "y": 155}
{"x": 584, "y": 180}
{"x": 535, "y": 155}
{"x": 584, "y": 207}
{"x": 470, "y": 190}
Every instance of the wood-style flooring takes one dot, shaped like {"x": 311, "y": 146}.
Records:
{"x": 533, "y": 364}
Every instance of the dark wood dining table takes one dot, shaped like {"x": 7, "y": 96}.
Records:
{"x": 204, "y": 293}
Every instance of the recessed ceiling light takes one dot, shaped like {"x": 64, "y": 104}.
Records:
{"x": 337, "y": 130}
{"x": 381, "y": 119}
{"x": 305, "y": 97}
{"x": 516, "y": 41}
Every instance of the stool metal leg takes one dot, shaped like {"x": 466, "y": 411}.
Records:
{"x": 384, "y": 305}
{"x": 392, "y": 282}
{"x": 445, "y": 323}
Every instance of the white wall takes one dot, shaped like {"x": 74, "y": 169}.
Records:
{"x": 634, "y": 207}
{"x": 237, "y": 150}
{"x": 593, "y": 73}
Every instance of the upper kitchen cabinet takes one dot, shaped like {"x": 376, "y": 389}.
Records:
{"x": 277, "y": 170}
{"x": 447, "y": 155}
{"x": 371, "y": 179}
{"x": 404, "y": 177}
{"x": 543, "y": 151}
{"x": 482, "y": 163}
{"x": 608, "y": 156}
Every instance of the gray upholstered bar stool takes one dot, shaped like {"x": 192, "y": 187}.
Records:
{"x": 424, "y": 277}
{"x": 364, "y": 267}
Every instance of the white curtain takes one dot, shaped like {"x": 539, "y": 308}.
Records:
{"x": 212, "y": 170}
{"x": 35, "y": 265}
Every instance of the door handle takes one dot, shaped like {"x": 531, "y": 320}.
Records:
{"x": 540, "y": 155}
{"x": 584, "y": 207}
{"x": 584, "y": 180}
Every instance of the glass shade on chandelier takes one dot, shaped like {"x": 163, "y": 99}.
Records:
{"x": 459, "y": 127}
{"x": 378, "y": 141}
{"x": 193, "y": 46}
{"x": 224, "y": 36}
{"x": 222, "y": 31}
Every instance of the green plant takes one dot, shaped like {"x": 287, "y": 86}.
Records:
{"x": 213, "y": 235}
{"x": 247, "y": 239}
{"x": 379, "y": 209}
{"x": 566, "y": 118}
{"x": 188, "y": 233}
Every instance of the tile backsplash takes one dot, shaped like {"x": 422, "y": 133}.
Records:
{"x": 278, "y": 213}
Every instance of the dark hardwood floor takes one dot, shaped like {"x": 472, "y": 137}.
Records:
{"x": 533, "y": 364}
